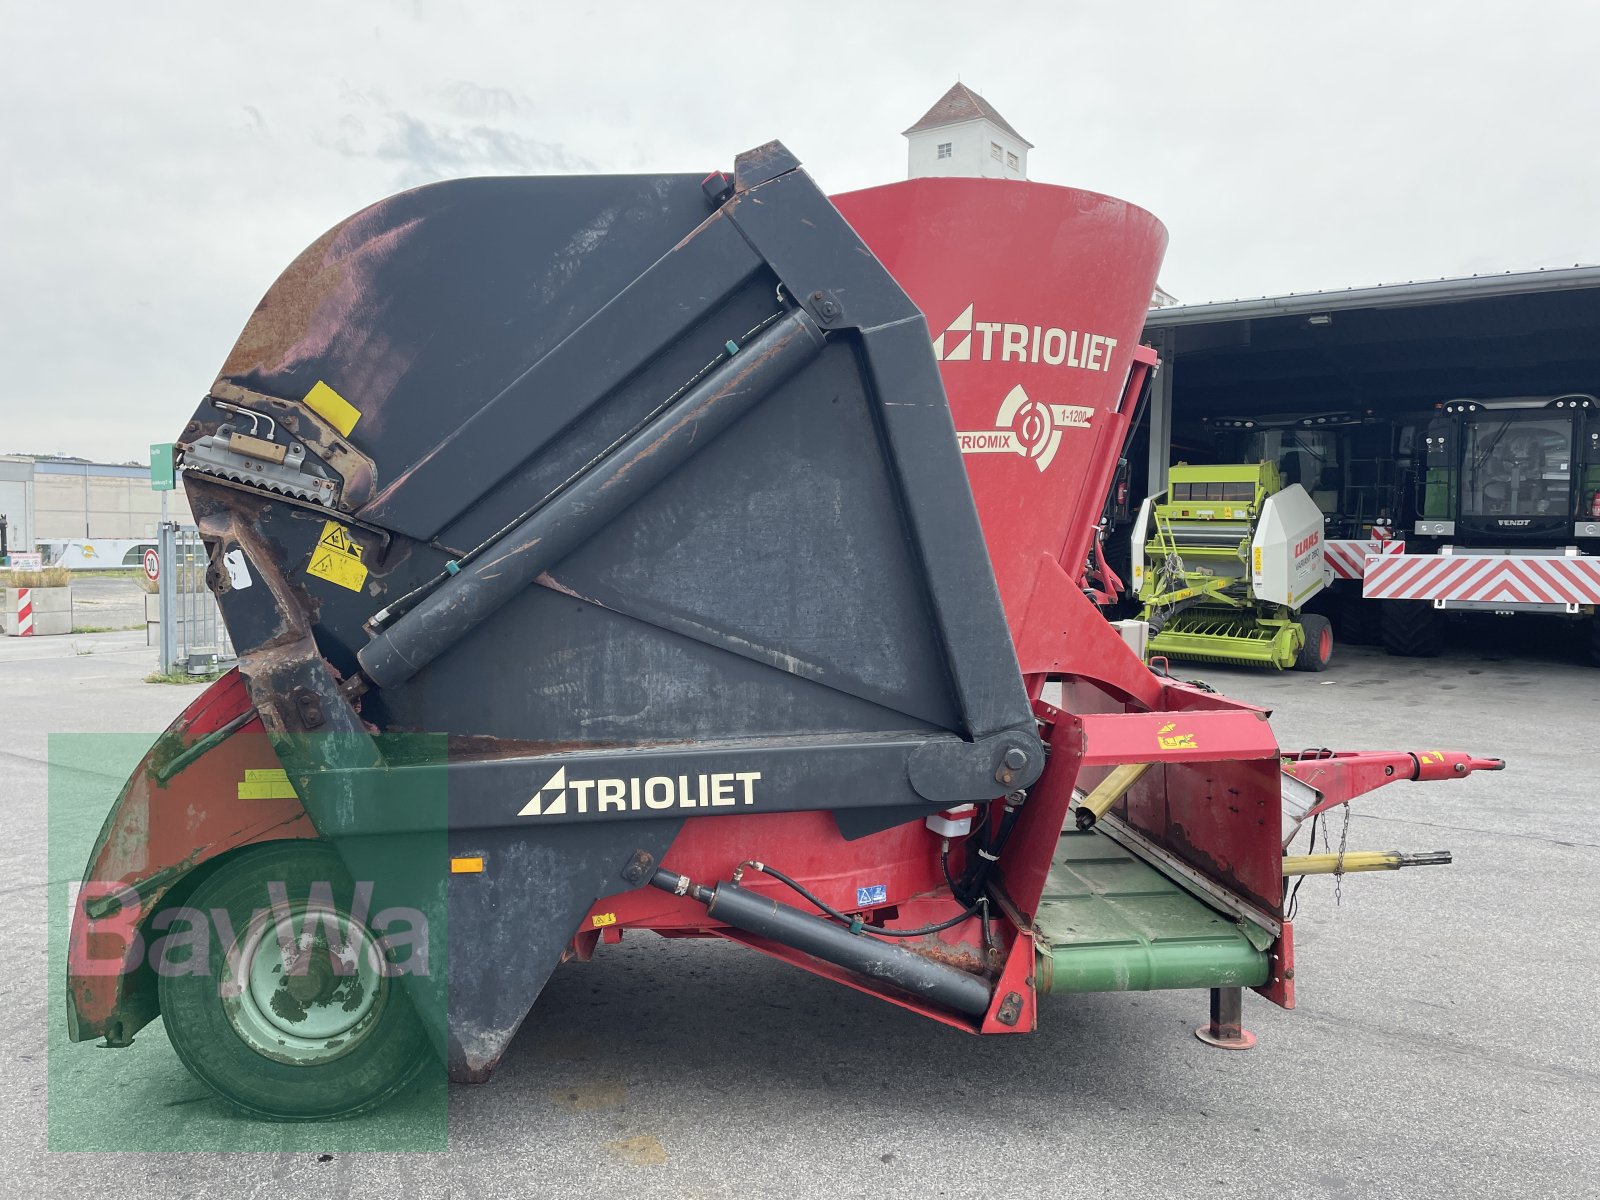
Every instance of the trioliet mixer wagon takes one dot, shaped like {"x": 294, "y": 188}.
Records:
{"x": 621, "y": 553}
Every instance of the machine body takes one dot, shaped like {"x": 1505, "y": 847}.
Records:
{"x": 676, "y": 574}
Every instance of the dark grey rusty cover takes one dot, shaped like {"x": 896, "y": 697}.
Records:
{"x": 803, "y": 596}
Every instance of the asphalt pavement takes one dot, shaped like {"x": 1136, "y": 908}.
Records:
{"x": 107, "y": 602}
{"x": 1445, "y": 1042}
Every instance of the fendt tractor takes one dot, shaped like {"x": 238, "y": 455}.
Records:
{"x": 1507, "y": 504}
{"x": 621, "y": 553}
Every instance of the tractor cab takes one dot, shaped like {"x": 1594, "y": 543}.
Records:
{"x": 1346, "y": 461}
{"x": 1522, "y": 471}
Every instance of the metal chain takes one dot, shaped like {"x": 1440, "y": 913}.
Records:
{"x": 1338, "y": 866}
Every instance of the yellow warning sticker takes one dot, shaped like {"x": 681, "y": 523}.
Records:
{"x": 601, "y": 920}
{"x": 332, "y": 408}
{"x": 267, "y": 785}
{"x": 337, "y": 558}
{"x": 1168, "y": 740}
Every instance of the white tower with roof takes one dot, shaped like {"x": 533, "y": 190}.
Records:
{"x": 964, "y": 135}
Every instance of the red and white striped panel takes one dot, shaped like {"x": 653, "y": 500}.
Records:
{"x": 1507, "y": 578}
{"x": 1347, "y": 558}
{"x": 24, "y": 613}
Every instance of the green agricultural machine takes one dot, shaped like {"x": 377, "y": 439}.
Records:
{"x": 1224, "y": 563}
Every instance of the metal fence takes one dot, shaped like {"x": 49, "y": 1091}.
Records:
{"x": 193, "y": 637}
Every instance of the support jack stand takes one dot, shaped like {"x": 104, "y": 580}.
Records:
{"x": 1223, "y": 1029}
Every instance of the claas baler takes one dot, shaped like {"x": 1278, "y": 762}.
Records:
{"x": 1224, "y": 561}
{"x": 607, "y": 554}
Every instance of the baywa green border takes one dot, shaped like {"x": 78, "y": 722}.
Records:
{"x": 141, "y": 1097}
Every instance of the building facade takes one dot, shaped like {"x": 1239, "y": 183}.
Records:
{"x": 82, "y": 514}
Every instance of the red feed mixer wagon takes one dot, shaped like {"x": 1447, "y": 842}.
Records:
{"x": 622, "y": 553}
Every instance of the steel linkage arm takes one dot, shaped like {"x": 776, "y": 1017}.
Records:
{"x": 1341, "y": 777}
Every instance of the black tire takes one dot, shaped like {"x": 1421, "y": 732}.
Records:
{"x": 1317, "y": 650}
{"x": 220, "y": 1038}
{"x": 1359, "y": 622}
{"x": 1412, "y": 628}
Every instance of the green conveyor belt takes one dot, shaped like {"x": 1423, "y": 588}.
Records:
{"x": 1115, "y": 925}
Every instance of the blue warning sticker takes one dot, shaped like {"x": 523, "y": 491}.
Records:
{"x": 876, "y": 894}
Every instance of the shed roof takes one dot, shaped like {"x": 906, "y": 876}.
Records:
{"x": 1383, "y": 295}
{"x": 1396, "y": 348}
{"x": 960, "y": 104}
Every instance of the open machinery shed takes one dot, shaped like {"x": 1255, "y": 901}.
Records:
{"x": 1491, "y": 502}
{"x": 1396, "y": 347}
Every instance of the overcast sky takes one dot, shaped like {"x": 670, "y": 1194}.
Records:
{"x": 161, "y": 162}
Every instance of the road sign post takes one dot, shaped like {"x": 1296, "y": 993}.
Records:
{"x": 166, "y": 546}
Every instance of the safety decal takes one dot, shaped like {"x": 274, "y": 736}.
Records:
{"x": 601, "y": 920}
{"x": 1168, "y": 740}
{"x": 267, "y": 785}
{"x": 337, "y": 558}
{"x": 238, "y": 569}
{"x": 866, "y": 897}
{"x": 332, "y": 408}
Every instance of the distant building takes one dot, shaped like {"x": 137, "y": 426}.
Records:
{"x": 80, "y": 513}
{"x": 963, "y": 135}
{"x": 16, "y": 502}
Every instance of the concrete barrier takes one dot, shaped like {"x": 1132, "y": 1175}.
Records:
{"x": 27, "y": 612}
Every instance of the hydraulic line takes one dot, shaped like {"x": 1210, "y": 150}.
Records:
{"x": 975, "y": 878}
{"x": 888, "y": 962}
{"x": 855, "y": 925}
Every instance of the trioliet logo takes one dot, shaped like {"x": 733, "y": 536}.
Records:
{"x": 968, "y": 340}
{"x": 561, "y": 796}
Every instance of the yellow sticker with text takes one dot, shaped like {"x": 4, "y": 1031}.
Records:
{"x": 601, "y": 920}
{"x": 267, "y": 785}
{"x": 337, "y": 558}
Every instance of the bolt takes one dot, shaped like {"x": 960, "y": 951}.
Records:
{"x": 830, "y": 309}
{"x": 1016, "y": 759}
{"x": 637, "y": 866}
{"x": 1010, "y": 1009}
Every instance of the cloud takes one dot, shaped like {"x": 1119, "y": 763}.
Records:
{"x": 430, "y": 150}
{"x": 469, "y": 99}
{"x": 149, "y": 205}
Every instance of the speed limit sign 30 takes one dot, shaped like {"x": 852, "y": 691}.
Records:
{"x": 152, "y": 565}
